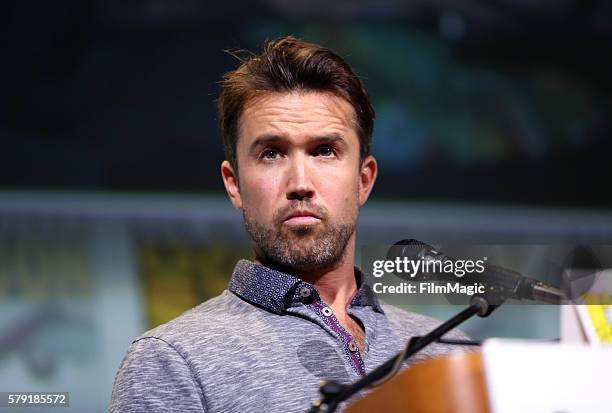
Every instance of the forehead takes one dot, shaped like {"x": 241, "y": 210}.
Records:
{"x": 297, "y": 114}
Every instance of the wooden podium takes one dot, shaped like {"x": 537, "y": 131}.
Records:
{"x": 449, "y": 384}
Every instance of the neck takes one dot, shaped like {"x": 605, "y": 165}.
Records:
{"x": 336, "y": 286}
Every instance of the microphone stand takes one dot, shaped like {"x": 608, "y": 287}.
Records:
{"x": 334, "y": 393}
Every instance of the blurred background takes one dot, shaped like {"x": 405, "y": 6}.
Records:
{"x": 493, "y": 124}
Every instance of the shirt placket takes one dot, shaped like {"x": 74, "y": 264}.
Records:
{"x": 349, "y": 344}
{"x": 370, "y": 323}
{"x": 324, "y": 316}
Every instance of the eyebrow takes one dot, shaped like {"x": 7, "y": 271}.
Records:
{"x": 270, "y": 139}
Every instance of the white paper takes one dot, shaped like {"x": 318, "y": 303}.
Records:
{"x": 530, "y": 377}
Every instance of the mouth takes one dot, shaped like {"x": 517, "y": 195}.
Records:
{"x": 301, "y": 218}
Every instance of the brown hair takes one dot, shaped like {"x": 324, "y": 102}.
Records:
{"x": 288, "y": 64}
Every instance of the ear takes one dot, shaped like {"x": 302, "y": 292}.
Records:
{"x": 232, "y": 186}
{"x": 367, "y": 177}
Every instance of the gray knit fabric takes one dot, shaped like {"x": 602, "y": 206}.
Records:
{"x": 262, "y": 345}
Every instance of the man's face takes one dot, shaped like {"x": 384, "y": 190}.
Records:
{"x": 300, "y": 180}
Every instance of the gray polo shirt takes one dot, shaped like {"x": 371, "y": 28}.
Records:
{"x": 264, "y": 344}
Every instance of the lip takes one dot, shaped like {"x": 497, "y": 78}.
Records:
{"x": 301, "y": 218}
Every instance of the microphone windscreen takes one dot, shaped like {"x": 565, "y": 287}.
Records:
{"x": 409, "y": 248}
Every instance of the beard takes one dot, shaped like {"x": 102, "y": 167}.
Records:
{"x": 304, "y": 247}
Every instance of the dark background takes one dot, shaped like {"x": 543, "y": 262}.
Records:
{"x": 505, "y": 101}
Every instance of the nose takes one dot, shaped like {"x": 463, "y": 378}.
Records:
{"x": 299, "y": 184}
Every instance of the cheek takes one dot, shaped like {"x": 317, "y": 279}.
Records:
{"x": 259, "y": 191}
{"x": 340, "y": 193}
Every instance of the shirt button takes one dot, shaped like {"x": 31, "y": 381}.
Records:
{"x": 326, "y": 311}
{"x": 352, "y": 346}
{"x": 305, "y": 292}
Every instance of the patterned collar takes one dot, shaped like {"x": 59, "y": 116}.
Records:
{"x": 276, "y": 291}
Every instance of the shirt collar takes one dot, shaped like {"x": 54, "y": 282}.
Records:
{"x": 276, "y": 291}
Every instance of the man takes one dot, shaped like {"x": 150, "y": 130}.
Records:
{"x": 297, "y": 125}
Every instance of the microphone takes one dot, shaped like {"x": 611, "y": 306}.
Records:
{"x": 501, "y": 282}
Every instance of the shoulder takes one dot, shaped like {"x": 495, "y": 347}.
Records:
{"x": 214, "y": 319}
{"x": 154, "y": 377}
{"x": 173, "y": 350}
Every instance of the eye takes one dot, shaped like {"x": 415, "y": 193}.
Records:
{"x": 270, "y": 154}
{"x": 325, "y": 150}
